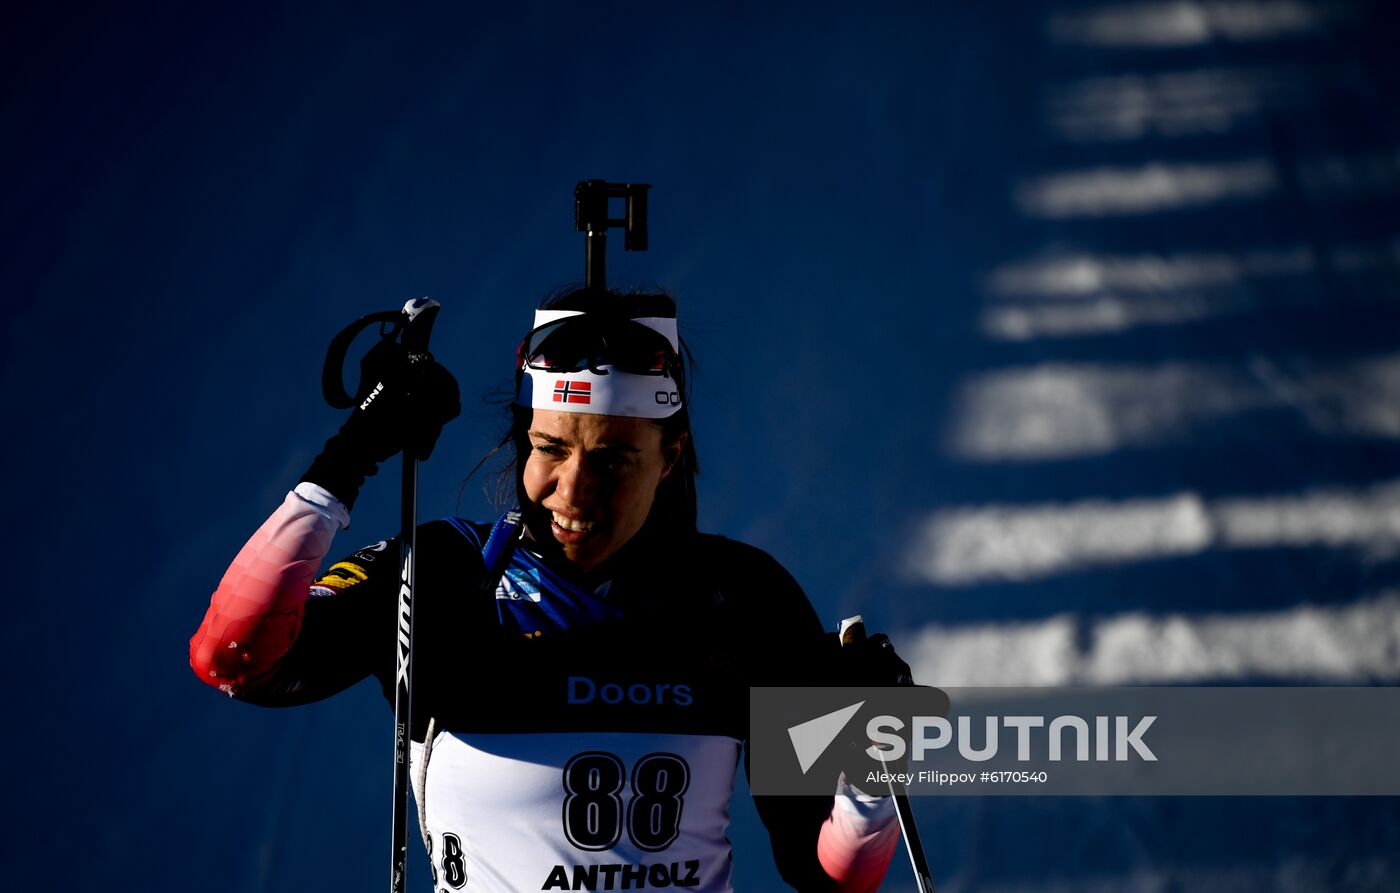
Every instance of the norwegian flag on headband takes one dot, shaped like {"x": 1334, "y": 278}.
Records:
{"x": 573, "y": 391}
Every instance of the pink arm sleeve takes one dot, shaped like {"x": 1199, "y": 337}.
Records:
{"x": 256, "y": 612}
{"x": 858, "y": 840}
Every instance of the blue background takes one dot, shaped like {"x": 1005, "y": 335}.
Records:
{"x": 1038, "y": 260}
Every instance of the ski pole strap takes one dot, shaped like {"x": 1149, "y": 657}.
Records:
{"x": 415, "y": 320}
{"x": 332, "y": 383}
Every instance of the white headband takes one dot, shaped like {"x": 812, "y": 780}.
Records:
{"x": 610, "y": 393}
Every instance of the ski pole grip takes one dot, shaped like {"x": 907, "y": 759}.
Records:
{"x": 420, "y": 314}
{"x": 851, "y": 630}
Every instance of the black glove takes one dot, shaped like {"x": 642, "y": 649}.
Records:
{"x": 405, "y": 400}
{"x": 870, "y": 661}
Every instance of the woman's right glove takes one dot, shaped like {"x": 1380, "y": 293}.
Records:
{"x": 405, "y": 400}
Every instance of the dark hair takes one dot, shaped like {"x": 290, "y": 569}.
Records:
{"x": 675, "y": 507}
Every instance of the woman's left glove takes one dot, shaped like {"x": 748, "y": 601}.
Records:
{"x": 870, "y": 661}
{"x": 405, "y": 399}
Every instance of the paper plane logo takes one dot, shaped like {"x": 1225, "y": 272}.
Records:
{"x": 810, "y": 739}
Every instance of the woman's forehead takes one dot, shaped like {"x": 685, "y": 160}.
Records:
{"x": 592, "y": 431}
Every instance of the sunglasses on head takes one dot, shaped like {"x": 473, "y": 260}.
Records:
{"x": 591, "y": 342}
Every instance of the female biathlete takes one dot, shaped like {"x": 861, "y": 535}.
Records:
{"x": 580, "y": 730}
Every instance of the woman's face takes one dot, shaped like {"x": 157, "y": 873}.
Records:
{"x": 591, "y": 479}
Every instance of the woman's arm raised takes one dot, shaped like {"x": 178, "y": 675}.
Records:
{"x": 256, "y": 612}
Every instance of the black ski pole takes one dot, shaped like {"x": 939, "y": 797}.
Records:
{"x": 421, "y": 315}
{"x": 852, "y": 630}
{"x": 415, "y": 323}
{"x": 910, "y": 832}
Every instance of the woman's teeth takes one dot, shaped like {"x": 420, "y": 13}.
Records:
{"x": 571, "y": 524}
